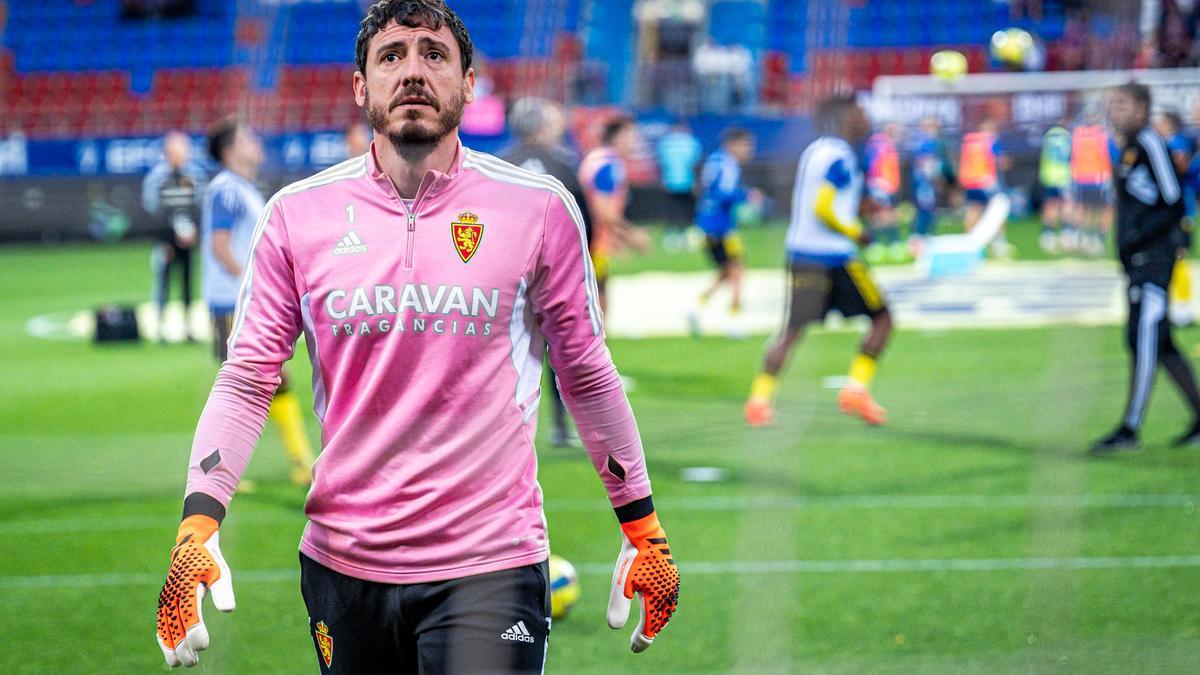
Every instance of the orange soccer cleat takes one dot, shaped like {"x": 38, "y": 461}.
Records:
{"x": 856, "y": 401}
{"x": 759, "y": 413}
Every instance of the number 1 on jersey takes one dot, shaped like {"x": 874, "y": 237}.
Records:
{"x": 350, "y": 213}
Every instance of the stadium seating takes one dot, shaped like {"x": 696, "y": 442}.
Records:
{"x": 286, "y": 66}
{"x": 286, "y": 63}
{"x": 881, "y": 37}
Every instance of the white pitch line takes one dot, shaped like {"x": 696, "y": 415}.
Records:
{"x": 926, "y": 565}
{"x": 52, "y": 581}
{"x": 750, "y": 503}
{"x": 131, "y": 579}
{"x": 903, "y": 502}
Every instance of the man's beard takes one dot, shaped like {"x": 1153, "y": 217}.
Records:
{"x": 415, "y": 136}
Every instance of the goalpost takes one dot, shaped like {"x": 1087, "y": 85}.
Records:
{"x": 1026, "y": 105}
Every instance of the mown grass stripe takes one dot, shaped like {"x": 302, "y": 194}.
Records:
{"x": 885, "y": 565}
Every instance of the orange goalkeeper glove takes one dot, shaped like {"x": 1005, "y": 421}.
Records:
{"x": 645, "y": 567}
{"x": 196, "y": 565}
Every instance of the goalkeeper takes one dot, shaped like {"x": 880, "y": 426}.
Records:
{"x": 426, "y": 545}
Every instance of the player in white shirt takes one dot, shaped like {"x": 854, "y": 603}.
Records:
{"x": 826, "y": 272}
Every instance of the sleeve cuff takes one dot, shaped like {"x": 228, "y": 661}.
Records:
{"x": 635, "y": 510}
{"x": 200, "y": 504}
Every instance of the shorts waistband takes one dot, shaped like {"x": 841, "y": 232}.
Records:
{"x": 823, "y": 259}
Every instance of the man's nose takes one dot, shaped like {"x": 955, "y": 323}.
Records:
{"x": 413, "y": 71}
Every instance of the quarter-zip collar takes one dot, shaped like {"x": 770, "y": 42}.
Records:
{"x": 432, "y": 183}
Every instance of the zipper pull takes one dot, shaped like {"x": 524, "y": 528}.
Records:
{"x": 412, "y": 222}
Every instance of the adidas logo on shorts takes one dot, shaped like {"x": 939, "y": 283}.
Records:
{"x": 517, "y": 633}
{"x": 350, "y": 244}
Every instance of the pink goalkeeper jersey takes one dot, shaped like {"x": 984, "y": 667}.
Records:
{"x": 426, "y": 329}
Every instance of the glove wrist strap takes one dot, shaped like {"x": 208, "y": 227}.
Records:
{"x": 635, "y": 510}
{"x": 643, "y": 529}
{"x": 200, "y": 527}
{"x": 199, "y": 503}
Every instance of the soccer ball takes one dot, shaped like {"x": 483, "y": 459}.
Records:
{"x": 948, "y": 65}
{"x": 564, "y": 587}
{"x": 1012, "y": 47}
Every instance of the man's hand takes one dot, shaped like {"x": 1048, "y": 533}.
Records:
{"x": 196, "y": 565}
{"x": 645, "y": 567}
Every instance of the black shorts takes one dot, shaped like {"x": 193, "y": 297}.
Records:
{"x": 724, "y": 250}
{"x": 1092, "y": 194}
{"x": 681, "y": 208}
{"x": 497, "y": 622}
{"x": 817, "y": 290}
{"x": 978, "y": 195}
{"x": 1052, "y": 192}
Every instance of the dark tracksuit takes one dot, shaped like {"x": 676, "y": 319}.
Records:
{"x": 1149, "y": 210}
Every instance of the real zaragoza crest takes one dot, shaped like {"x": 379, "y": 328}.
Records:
{"x": 324, "y": 643}
{"x": 466, "y": 232}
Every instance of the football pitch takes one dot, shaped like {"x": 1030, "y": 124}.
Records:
{"x": 970, "y": 534}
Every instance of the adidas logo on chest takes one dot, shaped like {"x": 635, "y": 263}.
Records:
{"x": 350, "y": 245}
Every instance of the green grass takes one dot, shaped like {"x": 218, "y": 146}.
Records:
{"x": 94, "y": 444}
{"x": 764, "y": 248}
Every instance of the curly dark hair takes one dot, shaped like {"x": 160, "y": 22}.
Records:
{"x": 431, "y": 14}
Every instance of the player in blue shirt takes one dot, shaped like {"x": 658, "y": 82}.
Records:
{"x": 722, "y": 191}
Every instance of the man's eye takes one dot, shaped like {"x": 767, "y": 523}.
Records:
{"x": 391, "y": 57}
{"x": 436, "y": 56}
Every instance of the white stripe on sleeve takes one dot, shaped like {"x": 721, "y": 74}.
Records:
{"x": 1160, "y": 160}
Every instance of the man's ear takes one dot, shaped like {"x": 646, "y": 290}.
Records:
{"x": 360, "y": 89}
{"x": 469, "y": 86}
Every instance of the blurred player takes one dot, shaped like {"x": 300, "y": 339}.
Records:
{"x": 883, "y": 187}
{"x": 1149, "y": 210}
{"x": 931, "y": 169}
{"x": 1054, "y": 175}
{"x": 825, "y": 271}
{"x": 427, "y": 280}
{"x": 539, "y": 126}
{"x": 678, "y": 154}
{"x": 358, "y": 139}
{"x": 1091, "y": 178}
{"x": 232, "y": 206}
{"x": 606, "y": 185}
{"x": 171, "y": 195}
{"x": 979, "y": 169}
{"x": 722, "y": 191}
{"x": 1169, "y": 125}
